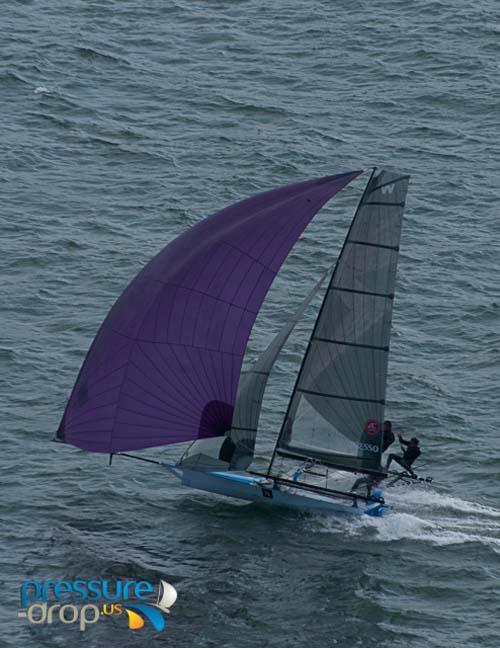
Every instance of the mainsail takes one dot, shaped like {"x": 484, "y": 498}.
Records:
{"x": 204, "y": 454}
{"x": 165, "y": 364}
{"x": 336, "y": 411}
{"x": 167, "y": 596}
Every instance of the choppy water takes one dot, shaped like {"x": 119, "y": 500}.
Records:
{"x": 125, "y": 122}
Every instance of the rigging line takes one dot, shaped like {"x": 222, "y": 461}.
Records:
{"x": 131, "y": 456}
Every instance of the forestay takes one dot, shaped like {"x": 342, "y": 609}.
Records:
{"x": 337, "y": 407}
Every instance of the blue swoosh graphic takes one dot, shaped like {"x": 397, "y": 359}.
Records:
{"x": 151, "y": 613}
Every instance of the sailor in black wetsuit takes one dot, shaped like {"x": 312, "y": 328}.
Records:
{"x": 388, "y": 437}
{"x": 411, "y": 453}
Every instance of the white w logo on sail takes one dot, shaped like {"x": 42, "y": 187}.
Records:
{"x": 387, "y": 189}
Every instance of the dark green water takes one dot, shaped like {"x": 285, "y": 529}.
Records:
{"x": 125, "y": 122}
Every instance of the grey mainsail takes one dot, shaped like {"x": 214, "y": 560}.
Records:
{"x": 336, "y": 411}
{"x": 204, "y": 454}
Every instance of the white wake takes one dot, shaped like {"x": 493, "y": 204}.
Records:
{"x": 424, "y": 516}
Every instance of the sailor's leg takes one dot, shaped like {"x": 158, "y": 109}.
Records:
{"x": 390, "y": 458}
{"x": 404, "y": 464}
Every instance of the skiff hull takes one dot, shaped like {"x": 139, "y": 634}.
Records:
{"x": 260, "y": 490}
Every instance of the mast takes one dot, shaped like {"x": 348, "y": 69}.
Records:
{"x": 336, "y": 411}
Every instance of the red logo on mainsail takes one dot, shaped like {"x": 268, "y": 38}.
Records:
{"x": 372, "y": 427}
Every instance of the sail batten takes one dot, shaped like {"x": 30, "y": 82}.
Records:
{"x": 166, "y": 362}
{"x": 364, "y": 292}
{"x": 355, "y": 344}
{"x": 352, "y": 398}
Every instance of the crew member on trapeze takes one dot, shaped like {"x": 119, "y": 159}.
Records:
{"x": 411, "y": 452}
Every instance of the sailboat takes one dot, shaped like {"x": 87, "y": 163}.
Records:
{"x": 167, "y": 596}
{"x": 166, "y": 364}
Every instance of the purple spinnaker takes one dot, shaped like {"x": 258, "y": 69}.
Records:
{"x": 165, "y": 364}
